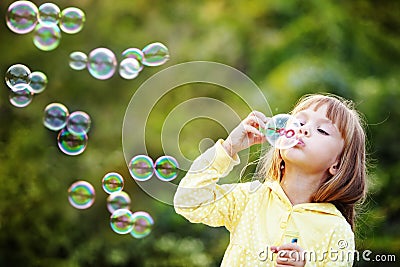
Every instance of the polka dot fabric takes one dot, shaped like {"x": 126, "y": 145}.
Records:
{"x": 259, "y": 219}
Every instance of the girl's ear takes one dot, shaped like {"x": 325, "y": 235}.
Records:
{"x": 334, "y": 168}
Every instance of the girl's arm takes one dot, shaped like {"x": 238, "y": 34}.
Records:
{"x": 199, "y": 198}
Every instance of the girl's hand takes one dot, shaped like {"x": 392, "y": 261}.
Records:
{"x": 246, "y": 133}
{"x": 289, "y": 255}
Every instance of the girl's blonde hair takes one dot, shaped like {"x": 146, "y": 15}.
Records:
{"x": 348, "y": 185}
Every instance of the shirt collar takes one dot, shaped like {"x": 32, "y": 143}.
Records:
{"x": 328, "y": 208}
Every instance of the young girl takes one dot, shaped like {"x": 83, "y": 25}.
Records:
{"x": 302, "y": 214}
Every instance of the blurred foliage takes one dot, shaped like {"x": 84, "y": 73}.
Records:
{"x": 288, "y": 48}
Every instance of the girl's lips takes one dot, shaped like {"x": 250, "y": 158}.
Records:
{"x": 300, "y": 142}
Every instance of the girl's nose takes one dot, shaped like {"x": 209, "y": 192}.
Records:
{"x": 303, "y": 130}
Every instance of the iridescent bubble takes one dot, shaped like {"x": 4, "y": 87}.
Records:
{"x": 17, "y": 74}
{"x": 112, "y": 182}
{"x": 142, "y": 224}
{"x": 155, "y": 54}
{"x": 78, "y": 123}
{"x": 71, "y": 144}
{"x": 134, "y": 53}
{"x": 55, "y": 116}
{"x": 38, "y": 82}
{"x": 21, "y": 96}
{"x": 121, "y": 221}
{"x": 81, "y": 195}
{"x": 118, "y": 200}
{"x": 102, "y": 63}
{"x": 141, "y": 167}
{"x": 78, "y": 60}
{"x": 281, "y": 131}
{"x": 49, "y": 13}
{"x": 129, "y": 68}
{"x": 166, "y": 168}
{"x": 72, "y": 20}
{"x": 47, "y": 37}
{"x": 22, "y": 17}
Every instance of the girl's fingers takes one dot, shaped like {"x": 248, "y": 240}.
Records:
{"x": 254, "y": 121}
{"x": 289, "y": 255}
{"x": 259, "y": 139}
{"x": 250, "y": 129}
{"x": 259, "y": 115}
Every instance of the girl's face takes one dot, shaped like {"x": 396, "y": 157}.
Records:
{"x": 320, "y": 142}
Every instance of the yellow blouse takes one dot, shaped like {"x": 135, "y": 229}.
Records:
{"x": 260, "y": 215}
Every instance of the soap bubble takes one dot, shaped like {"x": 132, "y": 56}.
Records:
{"x": 141, "y": 167}
{"x": 281, "y": 131}
{"x": 118, "y": 200}
{"x": 166, "y": 168}
{"x": 22, "y": 17}
{"x": 38, "y": 82}
{"x": 142, "y": 224}
{"x": 129, "y": 68}
{"x": 102, "y": 63}
{"x": 17, "y": 74}
{"x": 78, "y": 60}
{"x": 55, "y": 116}
{"x": 71, "y": 144}
{"x": 112, "y": 182}
{"x": 121, "y": 221}
{"x": 134, "y": 53}
{"x": 81, "y": 195}
{"x": 21, "y": 96}
{"x": 47, "y": 37}
{"x": 78, "y": 123}
{"x": 49, "y": 13}
{"x": 72, "y": 20}
{"x": 155, "y": 54}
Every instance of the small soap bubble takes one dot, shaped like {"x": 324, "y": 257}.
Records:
{"x": 141, "y": 167}
{"x": 78, "y": 60}
{"x": 121, "y": 221}
{"x": 142, "y": 224}
{"x": 71, "y": 144}
{"x": 72, "y": 20}
{"x": 118, "y": 200}
{"x": 55, "y": 116}
{"x": 134, "y": 53}
{"x": 21, "y": 96}
{"x": 22, "y": 17}
{"x": 78, "y": 123}
{"x": 281, "y": 131}
{"x": 155, "y": 54}
{"x": 49, "y": 13}
{"x": 166, "y": 168}
{"x": 38, "y": 82}
{"x": 17, "y": 74}
{"x": 129, "y": 68}
{"x": 102, "y": 63}
{"x": 112, "y": 182}
{"x": 47, "y": 37}
{"x": 81, "y": 195}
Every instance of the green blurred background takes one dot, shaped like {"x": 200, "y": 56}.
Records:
{"x": 288, "y": 48}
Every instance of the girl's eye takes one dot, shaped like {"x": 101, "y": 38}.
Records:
{"x": 323, "y": 132}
